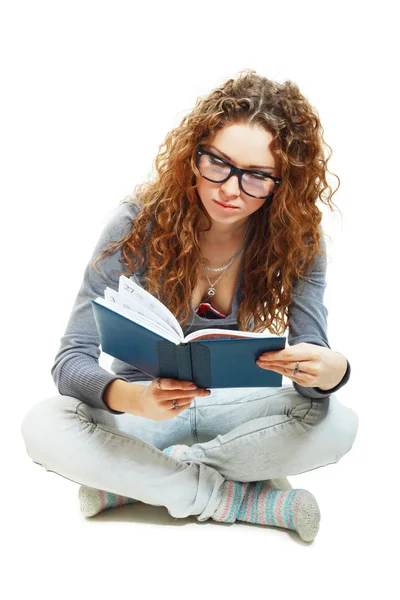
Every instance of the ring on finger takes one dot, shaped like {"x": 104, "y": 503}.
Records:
{"x": 158, "y": 380}
{"x": 296, "y": 369}
{"x": 176, "y": 405}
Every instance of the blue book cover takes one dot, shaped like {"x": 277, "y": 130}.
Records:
{"x": 218, "y": 360}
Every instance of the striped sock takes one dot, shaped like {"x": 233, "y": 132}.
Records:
{"x": 262, "y": 502}
{"x": 93, "y": 501}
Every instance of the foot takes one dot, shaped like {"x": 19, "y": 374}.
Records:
{"x": 264, "y": 503}
{"x": 93, "y": 501}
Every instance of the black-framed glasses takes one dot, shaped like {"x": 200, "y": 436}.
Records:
{"x": 253, "y": 183}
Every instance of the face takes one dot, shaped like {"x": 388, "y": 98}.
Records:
{"x": 243, "y": 146}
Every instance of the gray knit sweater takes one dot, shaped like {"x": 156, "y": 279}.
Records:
{"x": 76, "y": 370}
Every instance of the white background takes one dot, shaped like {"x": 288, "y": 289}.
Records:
{"x": 89, "y": 92}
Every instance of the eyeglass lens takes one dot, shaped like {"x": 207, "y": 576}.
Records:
{"x": 253, "y": 183}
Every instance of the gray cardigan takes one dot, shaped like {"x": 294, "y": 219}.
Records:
{"x": 76, "y": 371}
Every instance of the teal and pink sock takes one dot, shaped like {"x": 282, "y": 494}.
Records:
{"x": 262, "y": 502}
{"x": 93, "y": 501}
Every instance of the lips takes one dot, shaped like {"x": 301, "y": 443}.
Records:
{"x": 230, "y": 206}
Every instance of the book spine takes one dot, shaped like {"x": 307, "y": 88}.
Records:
{"x": 201, "y": 364}
{"x": 174, "y": 361}
{"x": 184, "y": 362}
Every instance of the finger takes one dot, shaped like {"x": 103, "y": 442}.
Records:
{"x": 185, "y": 400}
{"x": 298, "y": 352}
{"x": 300, "y": 377}
{"x": 181, "y": 394}
{"x": 304, "y": 365}
{"x": 304, "y": 379}
{"x": 174, "y": 412}
{"x": 182, "y": 402}
{"x": 175, "y": 384}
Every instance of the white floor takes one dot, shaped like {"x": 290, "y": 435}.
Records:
{"x": 52, "y": 551}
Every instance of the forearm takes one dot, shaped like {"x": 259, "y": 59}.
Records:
{"x": 123, "y": 396}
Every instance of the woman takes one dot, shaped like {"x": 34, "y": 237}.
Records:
{"x": 227, "y": 236}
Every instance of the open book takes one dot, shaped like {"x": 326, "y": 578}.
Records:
{"x": 138, "y": 329}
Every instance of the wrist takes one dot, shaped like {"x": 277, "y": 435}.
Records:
{"x": 120, "y": 395}
{"x": 341, "y": 370}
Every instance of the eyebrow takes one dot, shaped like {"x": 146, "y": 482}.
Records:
{"x": 249, "y": 167}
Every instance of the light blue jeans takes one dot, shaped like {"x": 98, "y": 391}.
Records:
{"x": 240, "y": 434}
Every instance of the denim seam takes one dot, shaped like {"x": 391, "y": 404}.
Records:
{"x": 241, "y": 402}
{"x": 202, "y": 452}
{"x": 193, "y": 423}
{"x": 310, "y": 407}
{"x": 119, "y": 434}
{"x": 125, "y": 436}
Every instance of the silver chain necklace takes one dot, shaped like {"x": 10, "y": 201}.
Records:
{"x": 219, "y": 269}
{"x": 211, "y": 290}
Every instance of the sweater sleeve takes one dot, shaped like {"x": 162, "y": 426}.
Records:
{"x": 308, "y": 318}
{"x": 76, "y": 371}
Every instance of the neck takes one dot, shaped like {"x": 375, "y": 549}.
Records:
{"x": 222, "y": 234}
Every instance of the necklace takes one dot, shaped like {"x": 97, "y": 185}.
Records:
{"x": 211, "y": 290}
{"x": 219, "y": 269}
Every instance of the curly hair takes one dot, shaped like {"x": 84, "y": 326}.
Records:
{"x": 285, "y": 232}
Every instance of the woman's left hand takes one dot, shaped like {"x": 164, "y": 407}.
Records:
{"x": 318, "y": 366}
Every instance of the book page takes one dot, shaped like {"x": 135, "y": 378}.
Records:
{"x": 209, "y": 334}
{"x": 137, "y": 309}
{"x": 140, "y": 320}
{"x": 130, "y": 289}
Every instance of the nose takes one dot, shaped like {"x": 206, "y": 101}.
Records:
{"x": 231, "y": 187}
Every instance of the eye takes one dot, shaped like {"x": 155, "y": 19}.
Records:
{"x": 215, "y": 161}
{"x": 262, "y": 176}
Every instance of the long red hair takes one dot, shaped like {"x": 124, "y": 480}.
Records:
{"x": 285, "y": 233}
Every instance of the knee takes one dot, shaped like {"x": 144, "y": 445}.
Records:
{"x": 42, "y": 423}
{"x": 309, "y": 411}
{"x": 338, "y": 429}
{"x": 343, "y": 425}
{"x": 328, "y": 417}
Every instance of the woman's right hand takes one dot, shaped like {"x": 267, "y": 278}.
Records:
{"x": 157, "y": 404}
